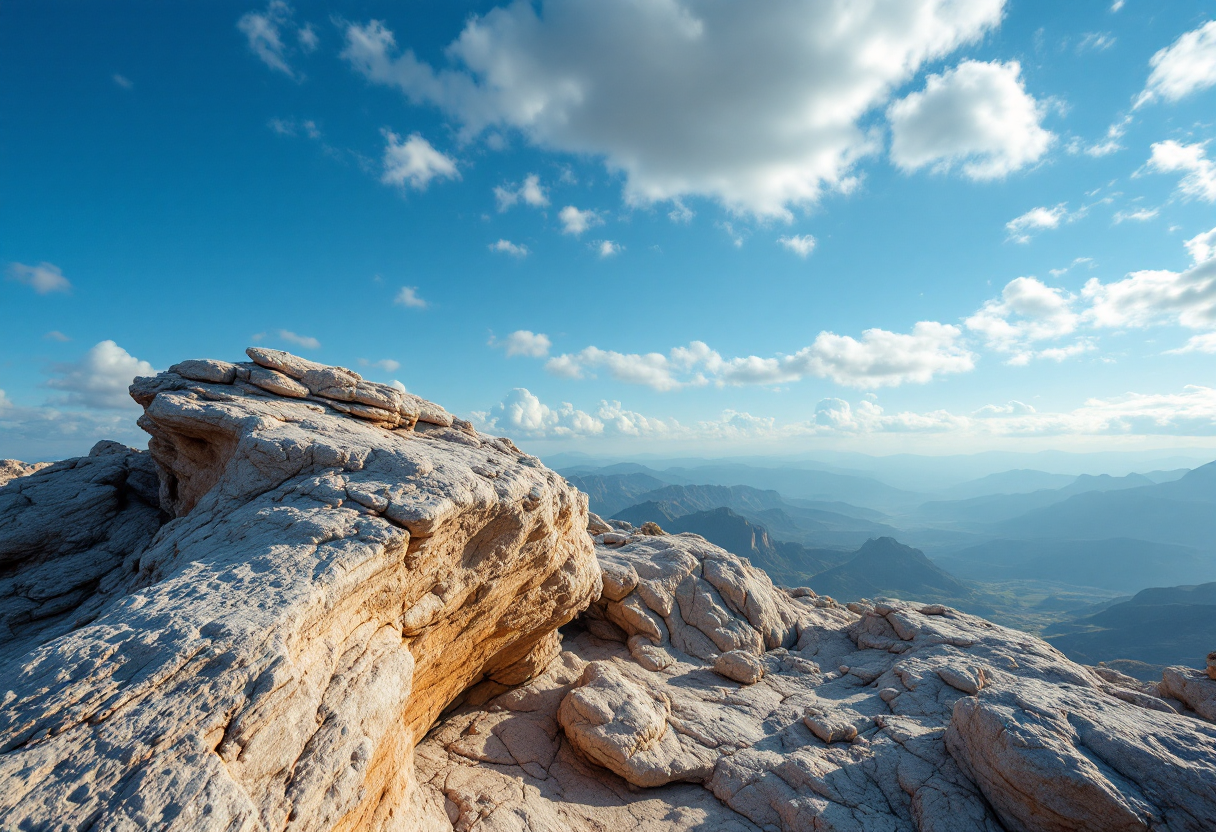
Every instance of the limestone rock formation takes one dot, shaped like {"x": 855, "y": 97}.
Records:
{"x": 320, "y": 603}
{"x": 873, "y": 716}
{"x": 250, "y": 625}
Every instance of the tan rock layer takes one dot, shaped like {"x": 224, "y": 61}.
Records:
{"x": 328, "y": 586}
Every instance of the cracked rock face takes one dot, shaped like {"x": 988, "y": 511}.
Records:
{"x": 886, "y": 716}
{"x": 251, "y": 625}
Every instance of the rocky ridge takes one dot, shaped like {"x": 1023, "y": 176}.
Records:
{"x": 321, "y": 603}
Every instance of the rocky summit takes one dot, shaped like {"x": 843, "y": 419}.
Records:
{"x": 320, "y": 603}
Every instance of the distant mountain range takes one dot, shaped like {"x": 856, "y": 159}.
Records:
{"x": 1159, "y": 626}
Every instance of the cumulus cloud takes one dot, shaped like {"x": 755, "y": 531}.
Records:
{"x": 408, "y": 297}
{"x": 414, "y": 161}
{"x": 1197, "y": 343}
{"x": 1199, "y": 172}
{"x": 524, "y": 342}
{"x": 1202, "y": 247}
{"x": 100, "y": 379}
{"x": 800, "y": 244}
{"x": 1023, "y": 227}
{"x": 1186, "y": 66}
{"x": 1190, "y": 412}
{"x": 879, "y": 358}
{"x": 530, "y": 193}
{"x": 607, "y": 248}
{"x": 43, "y": 278}
{"x": 265, "y": 31}
{"x": 1149, "y": 297}
{"x": 576, "y": 222}
{"x": 977, "y": 116}
{"x": 508, "y": 247}
{"x": 654, "y": 88}
{"x": 1027, "y": 312}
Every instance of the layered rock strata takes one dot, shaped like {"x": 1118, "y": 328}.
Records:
{"x": 869, "y": 716}
{"x": 252, "y": 624}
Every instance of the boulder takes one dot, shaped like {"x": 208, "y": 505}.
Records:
{"x": 252, "y": 624}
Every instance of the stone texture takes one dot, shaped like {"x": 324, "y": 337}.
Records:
{"x": 252, "y": 624}
{"x": 10, "y": 469}
{"x": 889, "y": 740}
{"x": 1193, "y": 688}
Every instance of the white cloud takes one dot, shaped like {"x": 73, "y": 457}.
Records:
{"x": 414, "y": 161}
{"x": 388, "y": 365}
{"x": 1022, "y": 228}
{"x": 530, "y": 192}
{"x": 1190, "y": 159}
{"x": 1116, "y": 5}
{"x": 43, "y": 278}
{"x": 1197, "y": 343}
{"x": 680, "y": 213}
{"x": 304, "y": 341}
{"x": 264, "y": 32}
{"x": 977, "y": 115}
{"x": 1011, "y": 408}
{"x": 654, "y": 89}
{"x": 122, "y": 81}
{"x": 800, "y": 244}
{"x": 1186, "y": 66}
{"x": 607, "y": 248}
{"x": 576, "y": 222}
{"x": 508, "y": 247}
{"x": 1027, "y": 312}
{"x": 101, "y": 378}
{"x": 56, "y": 335}
{"x": 1109, "y": 143}
{"x": 880, "y": 358}
{"x": 1202, "y": 247}
{"x": 308, "y": 40}
{"x": 1096, "y": 42}
{"x": 1138, "y": 215}
{"x": 408, "y": 297}
{"x": 522, "y": 414}
{"x": 1151, "y": 297}
{"x": 524, "y": 342}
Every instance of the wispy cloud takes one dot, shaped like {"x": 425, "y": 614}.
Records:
{"x": 414, "y": 162}
{"x": 43, "y": 278}
{"x": 800, "y": 244}
{"x": 530, "y": 193}
{"x": 265, "y": 32}
{"x": 1186, "y": 66}
{"x": 1199, "y": 172}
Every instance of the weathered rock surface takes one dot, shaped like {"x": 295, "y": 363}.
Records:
{"x": 254, "y": 631}
{"x": 10, "y": 469}
{"x": 883, "y": 716}
{"x": 257, "y": 623}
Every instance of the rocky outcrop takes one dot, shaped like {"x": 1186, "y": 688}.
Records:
{"x": 252, "y": 624}
{"x": 872, "y": 716}
{"x": 320, "y": 603}
{"x": 10, "y": 469}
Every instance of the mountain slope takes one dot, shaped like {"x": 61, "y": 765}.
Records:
{"x": 609, "y": 493}
{"x": 1159, "y": 626}
{"x": 886, "y": 567}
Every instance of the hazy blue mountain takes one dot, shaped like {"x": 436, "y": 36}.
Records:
{"x": 995, "y": 508}
{"x": 792, "y": 522}
{"x": 1167, "y": 476}
{"x": 805, "y": 484}
{"x": 1180, "y": 512}
{"x": 1120, "y": 564}
{"x": 1017, "y": 481}
{"x": 886, "y": 567}
{"x": 1159, "y": 626}
{"x": 609, "y": 493}
{"x": 785, "y": 562}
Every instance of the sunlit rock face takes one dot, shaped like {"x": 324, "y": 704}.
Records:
{"x": 892, "y": 716}
{"x": 253, "y": 623}
{"x": 320, "y": 603}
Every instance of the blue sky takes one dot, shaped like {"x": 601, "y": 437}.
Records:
{"x": 911, "y": 225}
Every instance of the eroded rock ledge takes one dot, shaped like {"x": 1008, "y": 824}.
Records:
{"x": 338, "y": 561}
{"x": 320, "y": 603}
